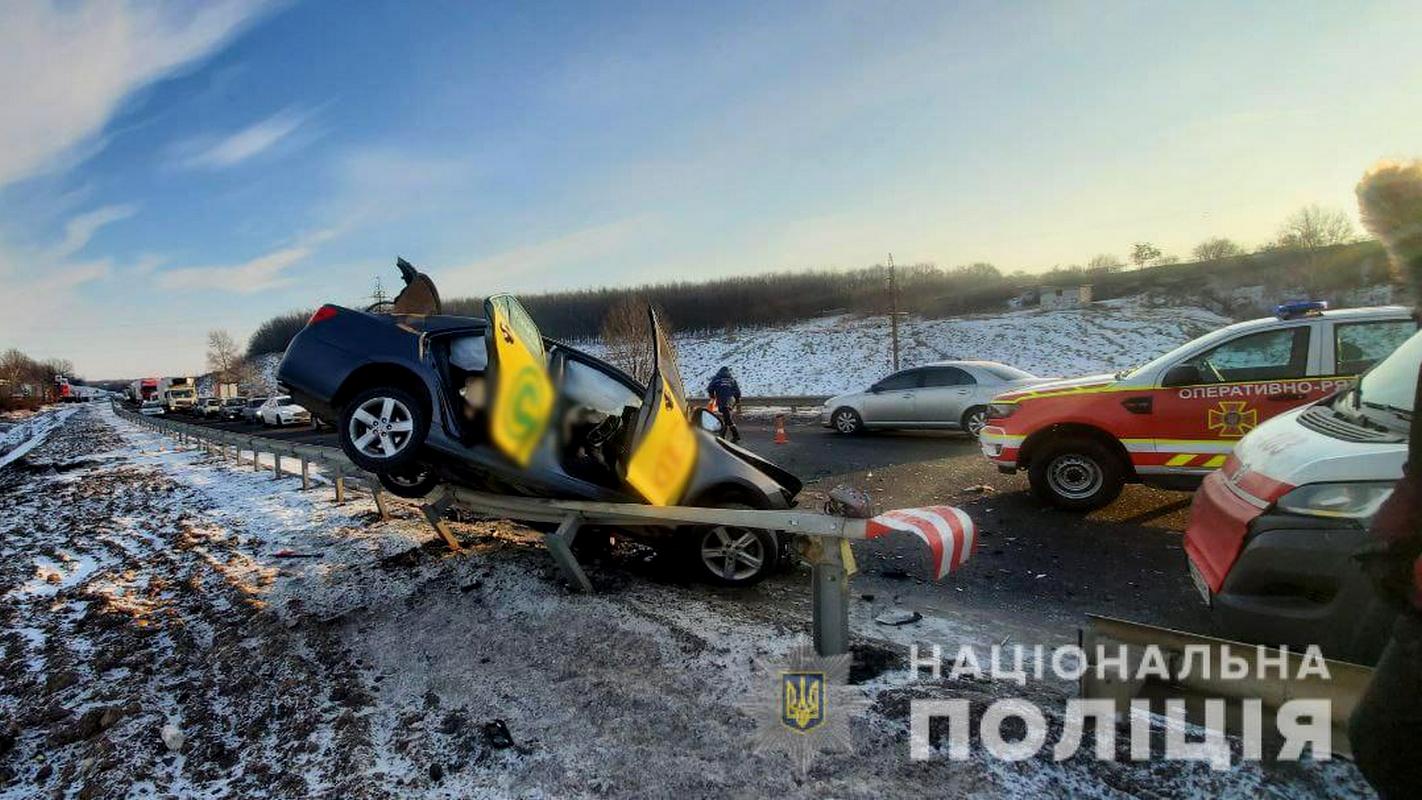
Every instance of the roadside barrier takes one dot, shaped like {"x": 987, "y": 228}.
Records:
{"x": 947, "y": 532}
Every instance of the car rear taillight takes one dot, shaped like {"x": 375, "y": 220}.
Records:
{"x": 322, "y": 314}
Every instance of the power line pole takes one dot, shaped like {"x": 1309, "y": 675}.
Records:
{"x": 379, "y": 294}
{"x": 894, "y": 311}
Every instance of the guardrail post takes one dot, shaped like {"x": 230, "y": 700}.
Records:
{"x": 256, "y": 459}
{"x": 276, "y": 465}
{"x": 340, "y": 484}
{"x": 560, "y": 544}
{"x": 305, "y": 475}
{"x": 830, "y": 596}
{"x": 380, "y": 503}
{"x": 434, "y": 515}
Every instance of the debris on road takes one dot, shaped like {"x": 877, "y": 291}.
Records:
{"x": 898, "y": 616}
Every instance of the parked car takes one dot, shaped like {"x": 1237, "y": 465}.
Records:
{"x": 249, "y": 411}
{"x": 1176, "y": 419}
{"x": 282, "y": 410}
{"x": 231, "y": 408}
{"x": 152, "y": 408}
{"x": 1272, "y": 533}
{"x": 208, "y": 406}
{"x": 407, "y": 394}
{"x": 951, "y": 395}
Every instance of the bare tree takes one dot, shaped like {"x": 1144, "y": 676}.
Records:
{"x": 15, "y": 367}
{"x": 627, "y": 335}
{"x": 1143, "y": 253}
{"x": 1312, "y": 227}
{"x": 1217, "y": 249}
{"x": 1105, "y": 262}
{"x": 222, "y": 355}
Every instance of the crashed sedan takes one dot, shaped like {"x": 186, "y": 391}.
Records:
{"x": 421, "y": 398}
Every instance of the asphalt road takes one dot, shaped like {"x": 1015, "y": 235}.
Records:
{"x": 1037, "y": 573}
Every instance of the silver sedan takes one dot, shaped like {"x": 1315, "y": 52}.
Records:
{"x": 951, "y": 395}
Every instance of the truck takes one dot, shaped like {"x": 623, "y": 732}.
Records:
{"x": 178, "y": 394}
{"x": 143, "y": 389}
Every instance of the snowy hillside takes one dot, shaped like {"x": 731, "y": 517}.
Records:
{"x": 841, "y": 353}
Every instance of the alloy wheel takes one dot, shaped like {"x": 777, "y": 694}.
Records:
{"x": 381, "y": 427}
{"x": 733, "y": 553}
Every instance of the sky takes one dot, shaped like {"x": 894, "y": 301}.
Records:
{"x": 170, "y": 168}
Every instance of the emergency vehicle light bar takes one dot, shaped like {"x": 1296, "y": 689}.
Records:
{"x": 1300, "y": 308}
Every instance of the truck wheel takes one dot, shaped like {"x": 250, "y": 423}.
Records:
{"x": 382, "y": 429}
{"x": 732, "y": 556}
{"x": 1076, "y": 474}
{"x": 412, "y": 482}
{"x": 846, "y": 420}
{"x": 974, "y": 420}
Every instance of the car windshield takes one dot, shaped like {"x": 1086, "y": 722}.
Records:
{"x": 1385, "y": 394}
{"x": 256, "y": 401}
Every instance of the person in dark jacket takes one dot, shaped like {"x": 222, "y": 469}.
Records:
{"x": 727, "y": 394}
{"x": 1386, "y": 727}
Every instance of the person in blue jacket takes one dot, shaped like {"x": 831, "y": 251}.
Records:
{"x": 727, "y": 394}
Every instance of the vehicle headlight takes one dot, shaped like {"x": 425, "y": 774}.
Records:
{"x": 1001, "y": 410}
{"x": 1353, "y": 500}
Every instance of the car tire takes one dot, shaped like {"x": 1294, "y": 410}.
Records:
{"x": 391, "y": 448}
{"x": 847, "y": 421}
{"x": 412, "y": 482}
{"x": 974, "y": 420}
{"x": 734, "y": 549}
{"x": 1076, "y": 474}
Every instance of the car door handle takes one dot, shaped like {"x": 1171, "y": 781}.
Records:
{"x": 908, "y": 396}
{"x": 1139, "y": 405}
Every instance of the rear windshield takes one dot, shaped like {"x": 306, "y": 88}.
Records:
{"x": 1005, "y": 372}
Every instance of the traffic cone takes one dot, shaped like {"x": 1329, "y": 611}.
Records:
{"x": 781, "y": 437}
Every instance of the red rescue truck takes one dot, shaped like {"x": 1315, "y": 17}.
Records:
{"x": 1177, "y": 418}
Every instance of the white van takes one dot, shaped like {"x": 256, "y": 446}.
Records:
{"x": 1272, "y": 533}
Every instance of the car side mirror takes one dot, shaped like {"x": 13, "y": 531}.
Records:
{"x": 875, "y": 389}
{"x": 707, "y": 421}
{"x": 1181, "y": 375}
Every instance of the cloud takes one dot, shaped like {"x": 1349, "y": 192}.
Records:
{"x": 65, "y": 68}
{"x": 573, "y": 255}
{"x": 79, "y": 230}
{"x": 267, "y": 271}
{"x": 247, "y": 143}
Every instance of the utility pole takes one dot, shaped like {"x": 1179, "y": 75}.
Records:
{"x": 894, "y": 311}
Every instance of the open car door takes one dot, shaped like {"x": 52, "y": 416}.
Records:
{"x": 523, "y": 396}
{"x": 662, "y": 456}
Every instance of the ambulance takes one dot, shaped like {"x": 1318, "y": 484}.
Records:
{"x": 1272, "y": 534}
{"x": 1175, "y": 419}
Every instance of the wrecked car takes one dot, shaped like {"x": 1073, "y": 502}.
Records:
{"x": 422, "y": 398}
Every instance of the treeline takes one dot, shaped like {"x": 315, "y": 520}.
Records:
{"x": 771, "y": 299}
{"x": 276, "y": 333}
{"x": 920, "y": 289}
{"x": 26, "y": 382}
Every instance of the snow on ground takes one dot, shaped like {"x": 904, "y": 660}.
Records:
{"x": 29, "y": 431}
{"x": 144, "y": 588}
{"x": 844, "y": 353}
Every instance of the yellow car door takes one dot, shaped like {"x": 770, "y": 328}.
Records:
{"x": 663, "y": 450}
{"x": 523, "y": 396}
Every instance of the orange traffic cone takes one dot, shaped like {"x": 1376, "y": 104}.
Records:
{"x": 781, "y": 437}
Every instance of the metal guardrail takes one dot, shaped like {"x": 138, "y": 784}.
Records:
{"x": 831, "y": 563}
{"x": 791, "y": 401}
